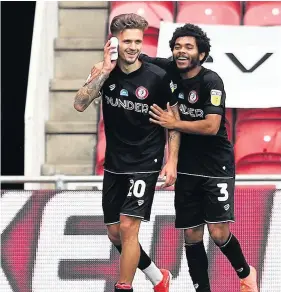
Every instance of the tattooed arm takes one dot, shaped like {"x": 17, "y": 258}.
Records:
{"x": 90, "y": 90}
{"x": 95, "y": 81}
{"x": 174, "y": 139}
{"x": 170, "y": 169}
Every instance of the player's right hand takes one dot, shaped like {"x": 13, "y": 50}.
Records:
{"x": 169, "y": 172}
{"x": 108, "y": 65}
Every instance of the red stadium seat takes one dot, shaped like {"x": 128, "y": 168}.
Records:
{"x": 258, "y": 143}
{"x": 269, "y": 113}
{"x": 264, "y": 13}
{"x": 261, "y": 167}
{"x": 100, "y": 150}
{"x": 212, "y": 12}
{"x": 150, "y": 43}
{"x": 152, "y": 11}
{"x": 229, "y": 123}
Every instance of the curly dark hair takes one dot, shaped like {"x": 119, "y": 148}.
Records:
{"x": 202, "y": 41}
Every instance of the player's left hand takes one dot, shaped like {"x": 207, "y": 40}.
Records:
{"x": 163, "y": 118}
{"x": 169, "y": 171}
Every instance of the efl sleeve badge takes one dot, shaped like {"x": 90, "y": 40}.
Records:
{"x": 216, "y": 97}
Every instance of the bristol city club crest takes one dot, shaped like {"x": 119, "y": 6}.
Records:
{"x": 141, "y": 92}
{"x": 193, "y": 96}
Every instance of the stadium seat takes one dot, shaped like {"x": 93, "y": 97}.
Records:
{"x": 152, "y": 11}
{"x": 150, "y": 42}
{"x": 212, "y": 12}
{"x": 229, "y": 123}
{"x": 269, "y": 113}
{"x": 258, "y": 143}
{"x": 263, "y": 13}
{"x": 261, "y": 167}
{"x": 100, "y": 150}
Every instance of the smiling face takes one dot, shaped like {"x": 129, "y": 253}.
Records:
{"x": 130, "y": 45}
{"x": 186, "y": 54}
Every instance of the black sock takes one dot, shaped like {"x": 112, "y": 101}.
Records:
{"x": 145, "y": 260}
{"x": 232, "y": 250}
{"x": 198, "y": 266}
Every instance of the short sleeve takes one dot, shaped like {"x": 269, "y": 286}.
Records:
{"x": 160, "y": 62}
{"x": 215, "y": 102}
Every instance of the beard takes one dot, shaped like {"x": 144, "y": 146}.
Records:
{"x": 194, "y": 62}
{"x": 130, "y": 61}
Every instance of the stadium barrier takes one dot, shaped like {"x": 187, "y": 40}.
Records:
{"x": 55, "y": 240}
{"x": 41, "y": 71}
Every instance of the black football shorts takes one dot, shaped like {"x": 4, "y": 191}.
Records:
{"x": 200, "y": 200}
{"x": 128, "y": 194}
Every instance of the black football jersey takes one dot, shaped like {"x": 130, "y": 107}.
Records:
{"x": 133, "y": 143}
{"x": 206, "y": 155}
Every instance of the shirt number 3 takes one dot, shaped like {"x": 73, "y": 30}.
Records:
{"x": 223, "y": 191}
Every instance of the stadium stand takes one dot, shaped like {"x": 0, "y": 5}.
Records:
{"x": 152, "y": 11}
{"x": 150, "y": 43}
{"x": 269, "y": 113}
{"x": 258, "y": 145}
{"x": 256, "y": 133}
{"x": 263, "y": 13}
{"x": 213, "y": 12}
{"x": 61, "y": 143}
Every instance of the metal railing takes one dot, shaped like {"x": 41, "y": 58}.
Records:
{"x": 61, "y": 181}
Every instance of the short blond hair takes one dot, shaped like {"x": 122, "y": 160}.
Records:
{"x": 127, "y": 21}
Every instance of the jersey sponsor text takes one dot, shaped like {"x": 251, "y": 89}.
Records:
{"x": 128, "y": 104}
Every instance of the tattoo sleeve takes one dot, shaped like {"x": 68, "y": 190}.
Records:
{"x": 174, "y": 139}
{"x": 89, "y": 91}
